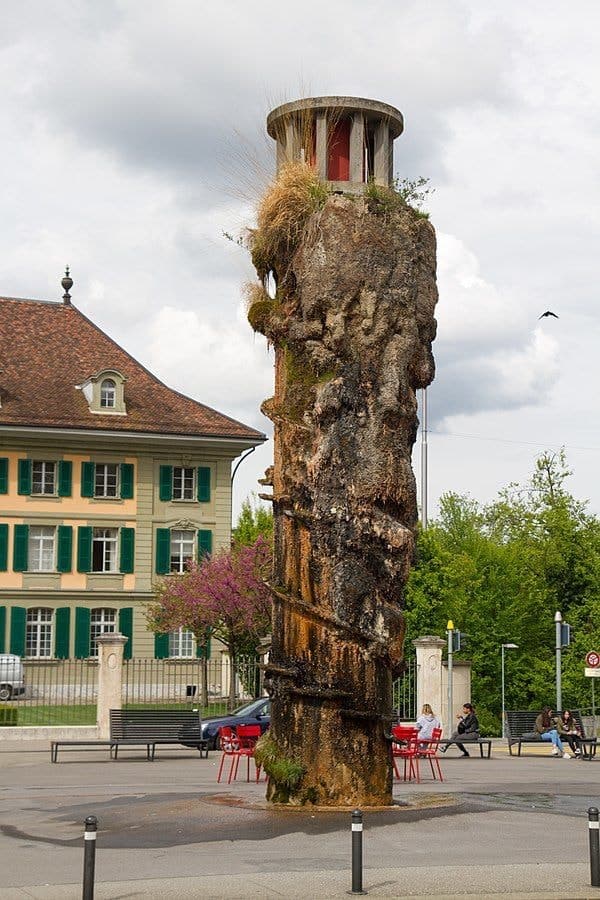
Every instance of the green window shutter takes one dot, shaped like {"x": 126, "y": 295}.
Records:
{"x": 87, "y": 479}
{"x": 84, "y": 550}
{"x": 64, "y": 556}
{"x": 126, "y": 481}
{"x": 203, "y": 484}
{"x": 163, "y": 551}
{"x": 17, "y": 630}
{"x": 161, "y": 646}
{"x": 126, "y": 629}
{"x": 62, "y": 627}
{"x": 65, "y": 478}
{"x": 21, "y": 538}
{"x": 165, "y": 484}
{"x": 24, "y": 479}
{"x": 82, "y": 632}
{"x": 4, "y": 475}
{"x": 3, "y": 548}
{"x": 203, "y": 650}
{"x": 2, "y": 628}
{"x": 204, "y": 543}
{"x": 127, "y": 550}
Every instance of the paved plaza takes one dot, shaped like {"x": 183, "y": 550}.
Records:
{"x": 505, "y": 826}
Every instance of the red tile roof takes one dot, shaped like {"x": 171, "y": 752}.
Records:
{"x": 47, "y": 348}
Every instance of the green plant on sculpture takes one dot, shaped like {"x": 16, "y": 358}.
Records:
{"x": 285, "y": 774}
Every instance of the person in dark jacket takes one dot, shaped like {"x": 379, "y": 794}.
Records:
{"x": 467, "y": 730}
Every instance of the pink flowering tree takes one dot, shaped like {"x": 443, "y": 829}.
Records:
{"x": 224, "y": 595}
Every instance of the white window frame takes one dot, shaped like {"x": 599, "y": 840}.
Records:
{"x": 103, "y": 620}
{"x": 180, "y": 540}
{"x": 109, "y": 539}
{"x": 47, "y": 480}
{"x": 41, "y": 548}
{"x": 108, "y": 393}
{"x": 39, "y": 630}
{"x": 184, "y": 483}
{"x": 181, "y": 644}
{"x": 106, "y": 481}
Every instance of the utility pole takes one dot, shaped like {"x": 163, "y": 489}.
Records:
{"x": 424, "y": 458}
{"x": 450, "y": 633}
{"x": 558, "y": 624}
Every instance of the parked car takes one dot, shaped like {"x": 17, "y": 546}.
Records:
{"x": 12, "y": 683}
{"x": 256, "y": 713}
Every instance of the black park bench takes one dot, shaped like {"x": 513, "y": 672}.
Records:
{"x": 520, "y": 729}
{"x": 145, "y": 728}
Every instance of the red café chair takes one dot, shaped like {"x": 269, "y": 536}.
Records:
{"x": 247, "y": 736}
{"x": 230, "y": 749}
{"x": 405, "y": 747}
{"x": 429, "y": 750}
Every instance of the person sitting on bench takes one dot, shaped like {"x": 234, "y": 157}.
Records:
{"x": 467, "y": 730}
{"x": 545, "y": 726}
{"x": 569, "y": 731}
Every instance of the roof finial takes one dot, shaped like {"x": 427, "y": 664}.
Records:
{"x": 67, "y": 284}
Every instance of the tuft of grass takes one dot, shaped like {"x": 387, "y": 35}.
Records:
{"x": 285, "y": 773}
{"x": 284, "y": 209}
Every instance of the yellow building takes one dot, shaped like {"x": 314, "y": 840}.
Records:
{"x": 108, "y": 480}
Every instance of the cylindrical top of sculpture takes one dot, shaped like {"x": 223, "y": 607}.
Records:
{"x": 349, "y": 140}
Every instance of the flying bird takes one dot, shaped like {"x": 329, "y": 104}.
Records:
{"x": 546, "y": 314}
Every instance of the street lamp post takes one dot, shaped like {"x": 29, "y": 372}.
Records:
{"x": 505, "y": 647}
{"x": 558, "y": 624}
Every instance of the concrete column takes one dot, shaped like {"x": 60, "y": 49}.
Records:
{"x": 390, "y": 159}
{"x": 281, "y": 157}
{"x": 110, "y": 679}
{"x": 383, "y": 148}
{"x": 321, "y": 144}
{"x": 429, "y": 672}
{"x": 292, "y": 144}
{"x": 357, "y": 147}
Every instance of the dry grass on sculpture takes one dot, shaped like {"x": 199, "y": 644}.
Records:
{"x": 288, "y": 203}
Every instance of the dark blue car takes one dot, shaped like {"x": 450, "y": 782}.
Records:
{"x": 258, "y": 712}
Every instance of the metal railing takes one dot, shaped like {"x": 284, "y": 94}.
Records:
{"x": 56, "y": 692}
{"x": 404, "y": 698}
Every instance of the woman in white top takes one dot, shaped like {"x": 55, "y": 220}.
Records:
{"x": 426, "y": 722}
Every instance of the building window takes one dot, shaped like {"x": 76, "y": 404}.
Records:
{"x": 181, "y": 644}
{"x": 41, "y": 547}
{"x": 106, "y": 480}
{"x": 182, "y": 549}
{"x": 104, "y": 550}
{"x": 43, "y": 477}
{"x": 102, "y": 621}
{"x": 38, "y": 633}
{"x": 183, "y": 483}
{"x": 108, "y": 394}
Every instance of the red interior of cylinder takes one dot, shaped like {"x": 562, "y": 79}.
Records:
{"x": 338, "y": 151}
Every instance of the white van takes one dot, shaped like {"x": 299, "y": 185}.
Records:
{"x": 11, "y": 676}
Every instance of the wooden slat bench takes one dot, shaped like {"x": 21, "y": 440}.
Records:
{"x": 520, "y": 728}
{"x": 482, "y": 743}
{"x": 145, "y": 728}
{"x": 156, "y": 726}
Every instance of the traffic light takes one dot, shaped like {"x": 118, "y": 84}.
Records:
{"x": 459, "y": 639}
{"x": 565, "y": 634}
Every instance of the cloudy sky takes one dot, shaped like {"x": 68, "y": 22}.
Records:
{"x": 133, "y": 137}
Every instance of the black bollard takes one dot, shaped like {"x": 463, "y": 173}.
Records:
{"x": 89, "y": 856}
{"x": 357, "y": 833}
{"x": 594, "y": 829}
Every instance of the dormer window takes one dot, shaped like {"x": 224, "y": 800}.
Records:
{"x": 108, "y": 394}
{"x": 105, "y": 393}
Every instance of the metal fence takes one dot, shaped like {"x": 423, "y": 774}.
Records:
{"x": 61, "y": 692}
{"x": 404, "y": 700}
{"x": 65, "y": 692}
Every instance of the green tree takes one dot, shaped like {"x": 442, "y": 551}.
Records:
{"x": 254, "y": 521}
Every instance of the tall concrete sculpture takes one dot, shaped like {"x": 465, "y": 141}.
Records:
{"x": 346, "y": 295}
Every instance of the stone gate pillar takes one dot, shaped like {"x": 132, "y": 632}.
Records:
{"x": 429, "y": 672}
{"x": 110, "y": 677}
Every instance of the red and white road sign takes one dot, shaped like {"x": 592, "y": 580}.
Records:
{"x": 593, "y": 659}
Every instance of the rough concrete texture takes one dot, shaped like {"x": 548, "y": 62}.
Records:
{"x": 352, "y": 326}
